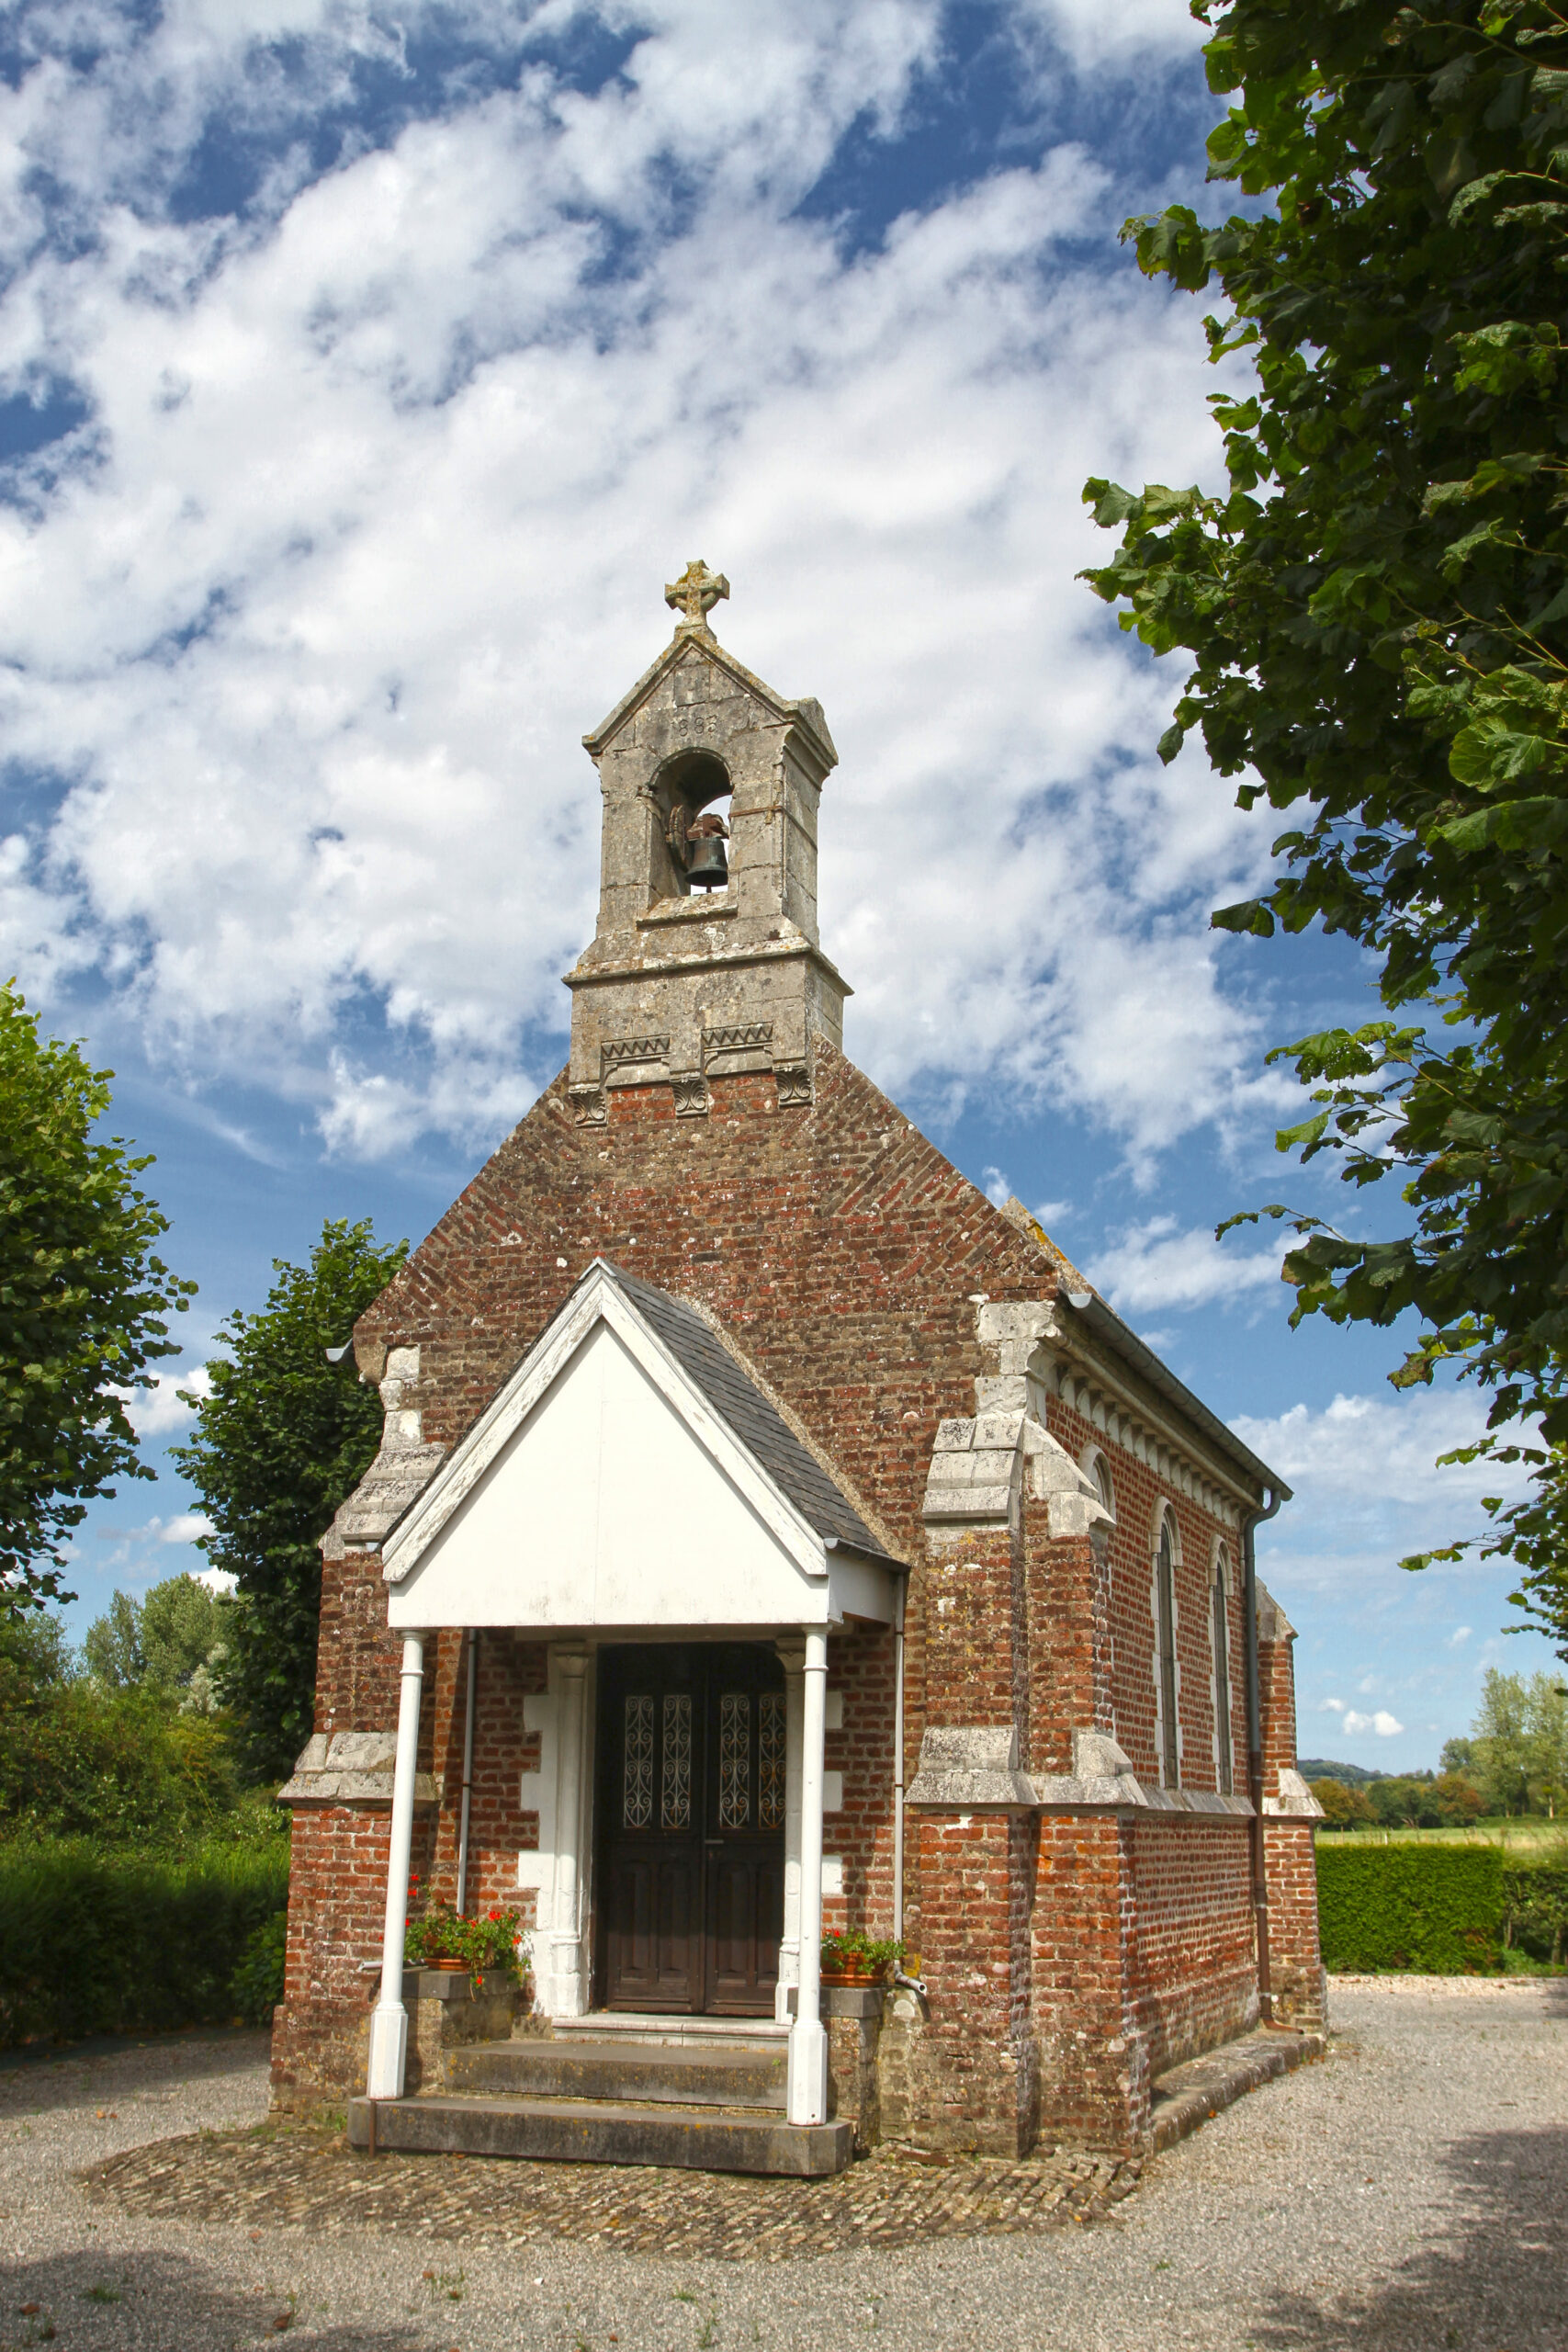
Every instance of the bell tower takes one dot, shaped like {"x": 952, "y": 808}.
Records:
{"x": 706, "y": 959}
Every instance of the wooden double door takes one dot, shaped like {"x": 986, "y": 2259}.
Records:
{"x": 690, "y": 1807}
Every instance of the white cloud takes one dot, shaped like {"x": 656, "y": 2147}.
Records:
{"x": 1089, "y": 31}
{"x": 1382, "y": 1724}
{"x": 158, "y": 1411}
{"x": 371, "y": 514}
{"x": 1460, "y": 1634}
{"x": 1156, "y": 1265}
{"x": 186, "y": 1528}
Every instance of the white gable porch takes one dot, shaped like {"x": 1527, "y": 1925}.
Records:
{"x": 631, "y": 1482}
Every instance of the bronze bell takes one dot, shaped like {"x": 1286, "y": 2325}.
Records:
{"x": 707, "y": 868}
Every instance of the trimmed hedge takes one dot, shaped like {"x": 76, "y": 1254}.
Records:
{"x": 99, "y": 1941}
{"x": 1436, "y": 1909}
{"x": 1535, "y": 1908}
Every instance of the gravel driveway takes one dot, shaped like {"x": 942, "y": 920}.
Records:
{"x": 1410, "y": 2191}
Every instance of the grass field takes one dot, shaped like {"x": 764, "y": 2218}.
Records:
{"x": 1531, "y": 1836}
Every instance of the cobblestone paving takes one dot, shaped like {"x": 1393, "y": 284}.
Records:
{"x": 295, "y": 2176}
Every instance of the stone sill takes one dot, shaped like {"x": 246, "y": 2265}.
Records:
{"x": 451, "y": 1984}
{"x": 845, "y": 2000}
{"x": 717, "y": 905}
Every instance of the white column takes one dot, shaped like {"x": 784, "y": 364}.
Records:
{"x": 792, "y": 1658}
{"x": 807, "y": 2039}
{"x": 389, "y": 2020}
{"x": 569, "y": 1994}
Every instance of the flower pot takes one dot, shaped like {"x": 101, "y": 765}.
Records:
{"x": 851, "y": 1970}
{"x": 451, "y": 1967}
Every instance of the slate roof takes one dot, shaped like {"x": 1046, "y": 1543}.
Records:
{"x": 759, "y": 1425}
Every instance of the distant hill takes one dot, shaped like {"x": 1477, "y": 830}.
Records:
{"x": 1320, "y": 1767}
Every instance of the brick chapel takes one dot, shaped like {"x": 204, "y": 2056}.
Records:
{"x": 770, "y": 1535}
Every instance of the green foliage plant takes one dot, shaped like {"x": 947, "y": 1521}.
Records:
{"x": 95, "y": 1941}
{"x": 284, "y": 1437}
{"x": 83, "y": 1302}
{"x": 1377, "y": 610}
{"x": 851, "y": 1946}
{"x": 492, "y": 1941}
{"x": 120, "y": 1767}
{"x": 256, "y": 1984}
{"x": 1535, "y": 1907}
{"x": 1434, "y": 1909}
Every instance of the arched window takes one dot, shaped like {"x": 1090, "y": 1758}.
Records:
{"x": 1219, "y": 1604}
{"x": 1099, "y": 1469}
{"x": 1165, "y": 1635}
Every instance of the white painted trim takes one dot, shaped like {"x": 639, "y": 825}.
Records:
{"x": 390, "y": 2024}
{"x": 597, "y": 1299}
{"x": 807, "y": 2086}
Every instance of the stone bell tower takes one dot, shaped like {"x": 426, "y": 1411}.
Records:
{"x": 706, "y": 960}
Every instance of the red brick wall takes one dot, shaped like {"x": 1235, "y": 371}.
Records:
{"x": 844, "y": 1254}
{"x": 1295, "y": 1960}
{"x": 1140, "y": 1494}
{"x": 1192, "y": 1974}
{"x": 860, "y": 1665}
{"x": 1093, "y": 2065}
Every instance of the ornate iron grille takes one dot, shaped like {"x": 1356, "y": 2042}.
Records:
{"x": 771, "y": 1760}
{"x": 734, "y": 1759}
{"x": 636, "y": 1780}
{"x": 675, "y": 1790}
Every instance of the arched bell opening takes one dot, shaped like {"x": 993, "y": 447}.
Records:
{"x": 694, "y": 834}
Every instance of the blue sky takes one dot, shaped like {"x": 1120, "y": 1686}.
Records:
{"x": 363, "y": 377}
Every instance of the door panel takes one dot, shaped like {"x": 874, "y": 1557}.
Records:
{"x": 691, "y": 1808}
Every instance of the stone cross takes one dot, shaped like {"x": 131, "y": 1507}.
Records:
{"x": 694, "y": 593}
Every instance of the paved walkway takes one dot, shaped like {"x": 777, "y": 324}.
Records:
{"x": 1411, "y": 2191}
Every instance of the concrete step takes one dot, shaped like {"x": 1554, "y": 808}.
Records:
{"x": 658, "y": 2029}
{"x": 712, "y": 2073}
{"x": 603, "y": 2133}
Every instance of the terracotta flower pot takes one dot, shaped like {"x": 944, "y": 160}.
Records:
{"x": 450, "y": 1966}
{"x": 849, "y": 1969}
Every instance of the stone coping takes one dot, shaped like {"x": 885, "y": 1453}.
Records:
{"x": 1189, "y": 2095}
{"x": 975, "y": 1768}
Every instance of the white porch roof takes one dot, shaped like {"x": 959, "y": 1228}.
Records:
{"x": 632, "y": 1475}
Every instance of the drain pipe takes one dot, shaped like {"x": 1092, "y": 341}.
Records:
{"x": 1250, "y": 1524}
{"x": 467, "y": 1774}
{"x": 899, "y": 1599}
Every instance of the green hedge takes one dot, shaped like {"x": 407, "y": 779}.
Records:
{"x": 1436, "y": 1909}
{"x": 104, "y": 1941}
{"x": 1535, "y": 1908}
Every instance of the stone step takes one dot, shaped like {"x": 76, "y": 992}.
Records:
{"x": 658, "y": 2029}
{"x": 713, "y": 2074}
{"x": 603, "y": 2133}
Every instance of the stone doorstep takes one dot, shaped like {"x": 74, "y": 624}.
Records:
{"x": 1189, "y": 2095}
{"x": 733, "y": 2074}
{"x": 594, "y": 2132}
{"x": 655, "y": 2027}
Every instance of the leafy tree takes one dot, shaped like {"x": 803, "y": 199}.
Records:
{"x": 113, "y": 1648}
{"x": 161, "y": 1643}
{"x": 35, "y": 1656}
{"x": 1378, "y": 610}
{"x": 79, "y": 1759}
{"x": 281, "y": 1440}
{"x": 1343, "y": 1807}
{"x": 1404, "y": 1800}
{"x": 1520, "y": 1743}
{"x": 81, "y": 1302}
{"x": 1459, "y": 1801}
